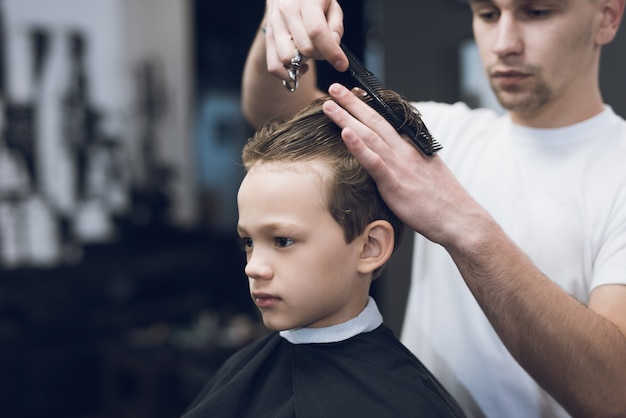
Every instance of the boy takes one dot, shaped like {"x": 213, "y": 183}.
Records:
{"x": 316, "y": 233}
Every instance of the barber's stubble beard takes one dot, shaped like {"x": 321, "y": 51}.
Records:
{"x": 528, "y": 99}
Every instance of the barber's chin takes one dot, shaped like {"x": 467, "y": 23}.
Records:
{"x": 514, "y": 102}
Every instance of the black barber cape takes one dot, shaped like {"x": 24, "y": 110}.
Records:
{"x": 368, "y": 375}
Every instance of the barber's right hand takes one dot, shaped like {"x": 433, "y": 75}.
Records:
{"x": 314, "y": 27}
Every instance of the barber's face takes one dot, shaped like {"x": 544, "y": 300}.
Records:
{"x": 537, "y": 52}
{"x": 301, "y": 271}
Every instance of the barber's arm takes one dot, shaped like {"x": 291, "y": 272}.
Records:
{"x": 315, "y": 28}
{"x": 576, "y": 353}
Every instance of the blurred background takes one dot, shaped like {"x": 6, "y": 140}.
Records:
{"x": 121, "y": 282}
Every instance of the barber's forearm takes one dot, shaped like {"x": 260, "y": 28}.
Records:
{"x": 264, "y": 97}
{"x": 578, "y": 356}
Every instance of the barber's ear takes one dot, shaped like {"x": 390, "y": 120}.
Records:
{"x": 377, "y": 246}
{"x": 612, "y": 13}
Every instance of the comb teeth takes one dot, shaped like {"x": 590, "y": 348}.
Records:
{"x": 366, "y": 80}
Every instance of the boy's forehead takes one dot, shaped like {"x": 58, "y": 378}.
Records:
{"x": 280, "y": 177}
{"x": 318, "y": 166}
{"x": 273, "y": 193}
{"x": 307, "y": 182}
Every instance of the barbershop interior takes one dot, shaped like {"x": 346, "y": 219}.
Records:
{"x": 122, "y": 286}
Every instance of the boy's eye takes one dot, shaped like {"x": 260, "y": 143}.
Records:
{"x": 246, "y": 243}
{"x": 282, "y": 242}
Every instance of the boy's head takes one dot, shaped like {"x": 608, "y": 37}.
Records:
{"x": 315, "y": 229}
{"x": 353, "y": 199}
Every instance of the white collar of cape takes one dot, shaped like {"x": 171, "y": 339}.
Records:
{"x": 368, "y": 320}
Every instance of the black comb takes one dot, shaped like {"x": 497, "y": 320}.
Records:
{"x": 366, "y": 80}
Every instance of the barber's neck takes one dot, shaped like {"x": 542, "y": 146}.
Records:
{"x": 561, "y": 112}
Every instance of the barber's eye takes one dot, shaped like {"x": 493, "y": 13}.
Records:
{"x": 488, "y": 16}
{"x": 538, "y": 13}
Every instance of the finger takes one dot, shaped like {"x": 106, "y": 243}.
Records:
{"x": 277, "y": 40}
{"x": 352, "y": 134}
{"x": 279, "y": 46}
{"x": 364, "y": 113}
{"x": 283, "y": 41}
{"x": 295, "y": 19}
{"x": 334, "y": 15}
{"x": 370, "y": 160}
{"x": 321, "y": 34}
{"x": 274, "y": 64}
{"x": 335, "y": 23}
{"x": 363, "y": 136}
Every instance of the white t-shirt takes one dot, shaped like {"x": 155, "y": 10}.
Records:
{"x": 560, "y": 195}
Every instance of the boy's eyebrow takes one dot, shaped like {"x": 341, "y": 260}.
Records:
{"x": 270, "y": 227}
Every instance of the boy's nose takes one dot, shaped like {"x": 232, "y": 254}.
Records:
{"x": 257, "y": 267}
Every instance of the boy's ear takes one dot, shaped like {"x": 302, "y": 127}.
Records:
{"x": 378, "y": 241}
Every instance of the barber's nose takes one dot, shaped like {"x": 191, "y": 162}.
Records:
{"x": 508, "y": 36}
{"x": 258, "y": 266}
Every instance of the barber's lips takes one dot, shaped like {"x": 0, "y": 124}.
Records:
{"x": 264, "y": 300}
{"x": 509, "y": 78}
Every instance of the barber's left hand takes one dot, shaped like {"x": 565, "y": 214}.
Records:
{"x": 420, "y": 189}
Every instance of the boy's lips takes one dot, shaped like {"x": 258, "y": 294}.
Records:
{"x": 264, "y": 300}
